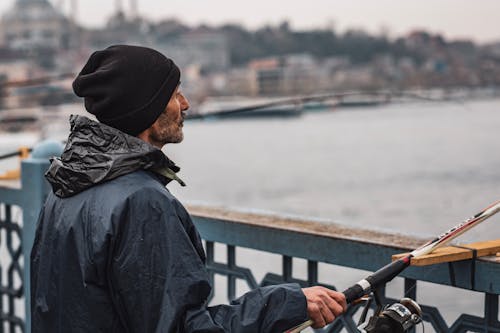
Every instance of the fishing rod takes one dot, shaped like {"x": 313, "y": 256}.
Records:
{"x": 19, "y": 152}
{"x": 391, "y": 270}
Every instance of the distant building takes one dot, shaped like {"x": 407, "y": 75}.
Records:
{"x": 242, "y": 82}
{"x": 301, "y": 74}
{"x": 17, "y": 70}
{"x": 355, "y": 77}
{"x": 35, "y": 24}
{"x": 20, "y": 70}
{"x": 269, "y": 74}
{"x": 206, "y": 49}
{"x": 120, "y": 29}
{"x": 493, "y": 49}
{"x": 287, "y": 75}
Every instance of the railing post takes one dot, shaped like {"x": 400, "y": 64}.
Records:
{"x": 231, "y": 279}
{"x": 34, "y": 189}
{"x": 312, "y": 272}
{"x": 287, "y": 268}
{"x": 491, "y": 312}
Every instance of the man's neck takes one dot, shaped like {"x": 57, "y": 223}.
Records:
{"x": 145, "y": 136}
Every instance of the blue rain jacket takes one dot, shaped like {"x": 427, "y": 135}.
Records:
{"x": 115, "y": 251}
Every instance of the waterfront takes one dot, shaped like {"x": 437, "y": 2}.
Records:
{"x": 410, "y": 168}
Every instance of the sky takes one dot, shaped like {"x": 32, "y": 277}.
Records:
{"x": 478, "y": 20}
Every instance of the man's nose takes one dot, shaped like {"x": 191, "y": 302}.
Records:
{"x": 184, "y": 103}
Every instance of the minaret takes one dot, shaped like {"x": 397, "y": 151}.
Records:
{"x": 133, "y": 9}
{"x": 74, "y": 11}
{"x": 119, "y": 6}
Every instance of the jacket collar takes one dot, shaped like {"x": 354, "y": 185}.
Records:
{"x": 96, "y": 153}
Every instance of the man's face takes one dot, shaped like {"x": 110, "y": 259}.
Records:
{"x": 168, "y": 127}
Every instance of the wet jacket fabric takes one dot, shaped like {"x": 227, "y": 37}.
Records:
{"x": 115, "y": 251}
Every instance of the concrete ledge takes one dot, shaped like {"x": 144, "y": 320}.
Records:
{"x": 328, "y": 229}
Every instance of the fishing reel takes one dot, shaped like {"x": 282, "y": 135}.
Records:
{"x": 398, "y": 317}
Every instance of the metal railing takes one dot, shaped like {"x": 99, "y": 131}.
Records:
{"x": 339, "y": 245}
{"x": 288, "y": 239}
{"x": 20, "y": 204}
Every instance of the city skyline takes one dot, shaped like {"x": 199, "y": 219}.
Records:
{"x": 455, "y": 19}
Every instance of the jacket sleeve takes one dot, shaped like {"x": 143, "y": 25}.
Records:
{"x": 159, "y": 282}
{"x": 268, "y": 309}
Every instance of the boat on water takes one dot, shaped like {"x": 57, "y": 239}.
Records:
{"x": 18, "y": 120}
{"x": 48, "y": 121}
{"x": 362, "y": 100}
{"x": 245, "y": 107}
{"x": 320, "y": 105}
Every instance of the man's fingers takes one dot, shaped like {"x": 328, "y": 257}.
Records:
{"x": 324, "y": 305}
{"x": 339, "y": 297}
{"x": 315, "y": 315}
{"x": 333, "y": 305}
{"x": 327, "y": 313}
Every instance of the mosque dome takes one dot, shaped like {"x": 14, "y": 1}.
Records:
{"x": 35, "y": 24}
{"x": 32, "y": 10}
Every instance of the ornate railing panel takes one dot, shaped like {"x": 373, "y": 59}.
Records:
{"x": 11, "y": 272}
{"x": 20, "y": 204}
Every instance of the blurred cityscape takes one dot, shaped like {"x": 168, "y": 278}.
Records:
{"x": 38, "y": 42}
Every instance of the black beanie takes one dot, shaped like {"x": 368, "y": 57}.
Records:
{"x": 127, "y": 87}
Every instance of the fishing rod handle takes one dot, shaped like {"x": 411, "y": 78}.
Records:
{"x": 375, "y": 280}
{"x": 365, "y": 286}
{"x": 351, "y": 294}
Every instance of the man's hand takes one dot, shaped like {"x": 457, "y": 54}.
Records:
{"x": 324, "y": 305}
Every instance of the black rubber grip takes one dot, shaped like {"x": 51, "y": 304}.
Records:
{"x": 387, "y": 273}
{"x": 377, "y": 279}
{"x": 353, "y": 293}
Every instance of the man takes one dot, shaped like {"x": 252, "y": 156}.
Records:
{"x": 114, "y": 250}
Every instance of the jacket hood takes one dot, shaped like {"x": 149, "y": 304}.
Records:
{"x": 96, "y": 153}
